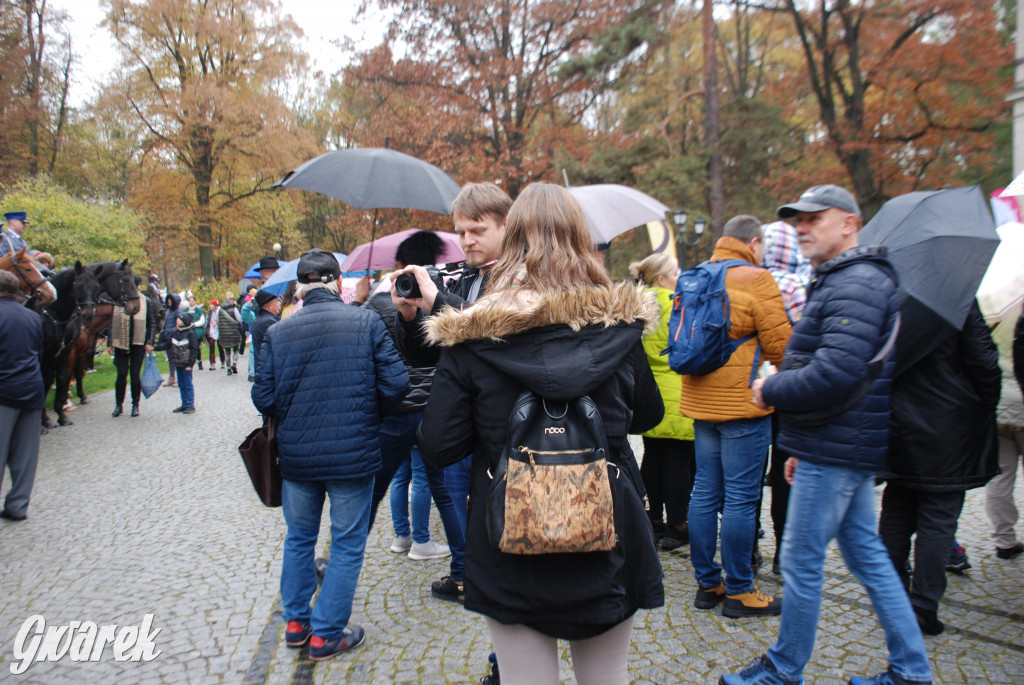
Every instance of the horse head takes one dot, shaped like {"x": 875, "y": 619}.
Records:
{"x": 128, "y": 286}
{"x": 32, "y": 282}
{"x": 86, "y": 288}
{"x": 117, "y": 282}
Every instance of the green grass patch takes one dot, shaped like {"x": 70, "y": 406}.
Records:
{"x": 104, "y": 377}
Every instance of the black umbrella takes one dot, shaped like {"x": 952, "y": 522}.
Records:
{"x": 375, "y": 178}
{"x": 941, "y": 243}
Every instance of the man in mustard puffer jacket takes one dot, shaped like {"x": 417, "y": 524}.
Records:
{"x": 731, "y": 434}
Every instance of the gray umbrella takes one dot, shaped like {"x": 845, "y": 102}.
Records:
{"x": 375, "y": 178}
{"x": 614, "y": 209}
{"x": 941, "y": 243}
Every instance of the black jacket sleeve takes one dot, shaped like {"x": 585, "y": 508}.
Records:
{"x": 980, "y": 358}
{"x": 447, "y": 432}
{"x": 648, "y": 407}
{"x": 1018, "y": 351}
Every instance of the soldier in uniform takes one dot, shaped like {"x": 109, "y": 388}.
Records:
{"x": 10, "y": 239}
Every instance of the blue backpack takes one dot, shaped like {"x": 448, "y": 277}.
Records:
{"x": 698, "y": 329}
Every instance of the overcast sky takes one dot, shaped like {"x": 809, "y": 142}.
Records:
{"x": 321, "y": 20}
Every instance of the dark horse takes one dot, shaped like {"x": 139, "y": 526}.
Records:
{"x": 85, "y": 345}
{"x": 78, "y": 289}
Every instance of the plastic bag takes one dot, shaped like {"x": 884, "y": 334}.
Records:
{"x": 151, "y": 378}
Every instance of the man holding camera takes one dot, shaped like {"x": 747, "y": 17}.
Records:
{"x": 479, "y": 214}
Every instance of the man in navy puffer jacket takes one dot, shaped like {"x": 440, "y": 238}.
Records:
{"x": 327, "y": 375}
{"x": 833, "y": 410}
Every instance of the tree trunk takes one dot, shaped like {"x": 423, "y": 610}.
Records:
{"x": 716, "y": 183}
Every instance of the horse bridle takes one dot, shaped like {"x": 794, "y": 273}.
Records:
{"x": 122, "y": 299}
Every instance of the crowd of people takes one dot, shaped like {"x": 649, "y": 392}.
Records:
{"x": 815, "y": 394}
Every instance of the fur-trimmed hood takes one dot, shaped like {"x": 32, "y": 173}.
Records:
{"x": 561, "y": 345}
{"x": 491, "y": 318}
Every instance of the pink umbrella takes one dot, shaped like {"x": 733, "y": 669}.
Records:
{"x": 380, "y": 253}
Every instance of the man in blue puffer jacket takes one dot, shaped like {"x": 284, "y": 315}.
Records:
{"x": 832, "y": 396}
{"x": 327, "y": 375}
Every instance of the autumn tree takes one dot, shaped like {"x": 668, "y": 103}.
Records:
{"x": 511, "y": 83}
{"x": 207, "y": 80}
{"x": 70, "y": 228}
{"x": 35, "y": 74}
{"x": 906, "y": 90}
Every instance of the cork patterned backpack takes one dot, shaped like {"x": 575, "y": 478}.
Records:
{"x": 552, "y": 489}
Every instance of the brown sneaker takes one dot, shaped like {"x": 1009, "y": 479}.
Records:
{"x": 752, "y": 603}
{"x": 709, "y": 598}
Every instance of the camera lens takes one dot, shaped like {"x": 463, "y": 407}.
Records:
{"x": 406, "y": 286}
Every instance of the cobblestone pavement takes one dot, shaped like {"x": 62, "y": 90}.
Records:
{"x": 155, "y": 515}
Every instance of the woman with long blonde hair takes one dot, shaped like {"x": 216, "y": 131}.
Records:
{"x": 552, "y": 322}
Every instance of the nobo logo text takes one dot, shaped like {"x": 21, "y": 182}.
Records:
{"x": 557, "y": 430}
{"x": 82, "y": 641}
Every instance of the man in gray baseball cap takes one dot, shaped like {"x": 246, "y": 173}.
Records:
{"x": 820, "y": 198}
{"x": 827, "y": 220}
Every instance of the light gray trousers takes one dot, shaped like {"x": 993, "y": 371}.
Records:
{"x": 19, "y": 453}
{"x": 1002, "y": 510}
{"x": 526, "y": 657}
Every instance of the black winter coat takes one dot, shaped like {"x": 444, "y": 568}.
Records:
{"x": 561, "y": 345}
{"x": 264, "y": 320}
{"x": 942, "y": 435}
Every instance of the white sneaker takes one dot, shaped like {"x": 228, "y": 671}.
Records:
{"x": 428, "y": 550}
{"x": 401, "y": 544}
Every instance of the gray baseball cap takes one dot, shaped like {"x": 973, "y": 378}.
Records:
{"x": 820, "y": 198}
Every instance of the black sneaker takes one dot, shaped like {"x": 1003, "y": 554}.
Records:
{"x": 1010, "y": 552}
{"x": 451, "y": 590}
{"x": 178, "y": 410}
{"x": 118, "y": 410}
{"x": 709, "y": 598}
{"x": 492, "y": 678}
{"x": 675, "y": 537}
{"x": 135, "y": 410}
{"x": 188, "y": 410}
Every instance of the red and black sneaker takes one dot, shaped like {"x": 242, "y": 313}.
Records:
{"x": 296, "y": 634}
{"x": 320, "y": 649}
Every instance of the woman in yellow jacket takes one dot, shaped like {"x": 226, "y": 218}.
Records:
{"x": 669, "y": 464}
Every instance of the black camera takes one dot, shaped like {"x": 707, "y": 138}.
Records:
{"x": 406, "y": 285}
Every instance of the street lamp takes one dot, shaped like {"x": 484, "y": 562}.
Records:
{"x": 682, "y": 232}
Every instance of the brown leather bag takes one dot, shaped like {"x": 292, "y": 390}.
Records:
{"x": 259, "y": 452}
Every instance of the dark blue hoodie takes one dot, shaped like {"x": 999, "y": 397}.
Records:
{"x": 172, "y": 303}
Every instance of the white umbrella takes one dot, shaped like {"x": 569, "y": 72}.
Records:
{"x": 1002, "y": 289}
{"x": 614, "y": 209}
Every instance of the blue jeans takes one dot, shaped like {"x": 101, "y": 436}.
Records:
{"x": 829, "y": 502}
{"x": 730, "y": 465}
{"x": 397, "y": 439}
{"x": 456, "y": 481}
{"x": 411, "y": 472}
{"x": 302, "y": 503}
{"x": 185, "y": 387}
